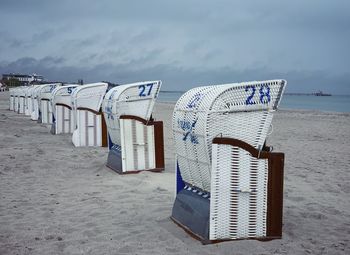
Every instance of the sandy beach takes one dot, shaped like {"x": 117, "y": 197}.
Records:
{"x": 58, "y": 199}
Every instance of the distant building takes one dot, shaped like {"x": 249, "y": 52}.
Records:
{"x": 23, "y": 78}
{"x": 2, "y": 87}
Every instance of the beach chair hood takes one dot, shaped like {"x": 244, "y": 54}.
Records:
{"x": 89, "y": 96}
{"x": 238, "y": 110}
{"x": 136, "y": 99}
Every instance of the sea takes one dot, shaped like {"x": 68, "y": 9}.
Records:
{"x": 334, "y": 103}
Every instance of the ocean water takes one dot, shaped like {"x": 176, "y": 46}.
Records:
{"x": 333, "y": 103}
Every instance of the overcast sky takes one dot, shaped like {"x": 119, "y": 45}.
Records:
{"x": 185, "y": 43}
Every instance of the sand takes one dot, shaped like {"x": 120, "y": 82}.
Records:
{"x": 57, "y": 199}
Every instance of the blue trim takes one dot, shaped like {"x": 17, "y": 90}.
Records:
{"x": 114, "y": 160}
{"x": 180, "y": 184}
{"x": 192, "y": 212}
{"x": 110, "y": 143}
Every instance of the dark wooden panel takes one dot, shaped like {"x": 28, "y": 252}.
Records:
{"x": 64, "y": 105}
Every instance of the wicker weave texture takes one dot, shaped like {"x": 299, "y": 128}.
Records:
{"x": 89, "y": 129}
{"x": 36, "y": 91}
{"x": 35, "y": 104}
{"x": 239, "y": 110}
{"x": 21, "y": 103}
{"x": 46, "y": 114}
{"x": 12, "y": 98}
{"x": 64, "y": 117}
{"x": 11, "y": 103}
{"x": 16, "y": 104}
{"x": 46, "y": 88}
{"x": 238, "y": 194}
{"x": 45, "y": 92}
{"x": 89, "y": 96}
{"x": 64, "y": 123}
{"x": 21, "y": 99}
{"x": 28, "y": 105}
{"x": 18, "y": 101}
{"x": 17, "y": 92}
{"x": 137, "y": 145}
{"x": 62, "y": 95}
{"x": 35, "y": 109}
{"x": 135, "y": 99}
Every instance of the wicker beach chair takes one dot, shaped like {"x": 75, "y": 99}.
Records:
{"x": 21, "y": 92}
{"x": 63, "y": 117}
{"x": 44, "y": 96}
{"x": 35, "y": 104}
{"x": 136, "y": 140}
{"x": 16, "y": 98}
{"x": 28, "y": 106}
{"x": 11, "y": 99}
{"x": 27, "y": 101}
{"x": 219, "y": 133}
{"x": 13, "y": 102}
{"x": 89, "y": 124}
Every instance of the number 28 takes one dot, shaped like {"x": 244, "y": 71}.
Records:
{"x": 264, "y": 92}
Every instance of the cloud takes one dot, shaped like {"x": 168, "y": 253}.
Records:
{"x": 175, "y": 78}
{"x": 184, "y": 42}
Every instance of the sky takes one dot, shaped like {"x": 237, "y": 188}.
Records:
{"x": 184, "y": 43}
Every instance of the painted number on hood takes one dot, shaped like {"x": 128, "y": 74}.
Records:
{"x": 145, "y": 88}
{"x": 264, "y": 94}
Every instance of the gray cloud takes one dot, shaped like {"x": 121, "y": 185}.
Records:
{"x": 175, "y": 78}
{"x": 185, "y": 43}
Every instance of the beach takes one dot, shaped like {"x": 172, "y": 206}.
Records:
{"x": 58, "y": 199}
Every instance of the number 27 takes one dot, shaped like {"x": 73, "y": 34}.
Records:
{"x": 142, "y": 89}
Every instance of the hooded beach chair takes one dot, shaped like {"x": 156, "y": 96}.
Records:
{"x": 35, "y": 104}
{"x": 12, "y": 98}
{"x": 16, "y": 98}
{"x": 63, "y": 117}
{"x": 21, "y": 94}
{"x": 27, "y": 99}
{"x": 90, "y": 128}
{"x": 135, "y": 139}
{"x": 28, "y": 106}
{"x": 229, "y": 186}
{"x": 44, "y": 96}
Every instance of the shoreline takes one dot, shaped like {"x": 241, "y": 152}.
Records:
{"x": 279, "y": 109}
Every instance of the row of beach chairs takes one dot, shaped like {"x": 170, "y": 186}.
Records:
{"x": 229, "y": 184}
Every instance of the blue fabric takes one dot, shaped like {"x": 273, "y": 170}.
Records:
{"x": 179, "y": 181}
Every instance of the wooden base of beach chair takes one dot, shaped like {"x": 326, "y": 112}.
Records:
{"x": 45, "y": 115}
{"x": 232, "y": 211}
{"x": 63, "y": 122}
{"x": 114, "y": 162}
{"x": 91, "y": 128}
{"x": 38, "y": 118}
{"x": 28, "y": 106}
{"x": 141, "y": 149}
{"x": 11, "y": 102}
{"x": 21, "y": 108}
